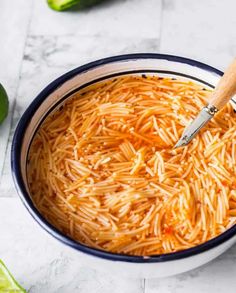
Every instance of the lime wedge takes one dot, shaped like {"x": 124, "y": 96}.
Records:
{"x": 7, "y": 282}
{"x": 3, "y": 103}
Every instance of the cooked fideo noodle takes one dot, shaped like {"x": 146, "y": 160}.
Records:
{"x": 102, "y": 168}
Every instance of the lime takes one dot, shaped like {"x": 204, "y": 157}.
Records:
{"x": 3, "y": 103}
{"x": 7, "y": 283}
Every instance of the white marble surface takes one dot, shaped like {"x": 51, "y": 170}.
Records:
{"x": 37, "y": 45}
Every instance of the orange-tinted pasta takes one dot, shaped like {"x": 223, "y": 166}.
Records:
{"x": 103, "y": 169}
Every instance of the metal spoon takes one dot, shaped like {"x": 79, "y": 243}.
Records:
{"x": 225, "y": 89}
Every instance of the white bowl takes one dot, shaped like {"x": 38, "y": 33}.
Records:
{"x": 52, "y": 97}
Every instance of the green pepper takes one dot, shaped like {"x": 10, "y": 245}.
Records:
{"x": 60, "y": 5}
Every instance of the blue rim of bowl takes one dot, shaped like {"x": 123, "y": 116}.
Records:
{"x": 25, "y": 197}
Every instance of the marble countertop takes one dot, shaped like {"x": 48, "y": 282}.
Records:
{"x": 38, "y": 45}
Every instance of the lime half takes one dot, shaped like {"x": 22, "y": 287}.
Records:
{"x": 3, "y": 103}
{"x": 7, "y": 283}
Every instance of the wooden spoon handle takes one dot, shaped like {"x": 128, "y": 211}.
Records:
{"x": 226, "y": 87}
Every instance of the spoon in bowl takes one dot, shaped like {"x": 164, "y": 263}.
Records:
{"x": 224, "y": 91}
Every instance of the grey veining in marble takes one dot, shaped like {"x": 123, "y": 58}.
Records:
{"x": 13, "y": 32}
{"x": 204, "y": 30}
{"x": 126, "y": 18}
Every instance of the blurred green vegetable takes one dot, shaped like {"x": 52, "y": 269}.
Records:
{"x": 3, "y": 103}
{"x": 7, "y": 282}
{"x": 61, "y": 5}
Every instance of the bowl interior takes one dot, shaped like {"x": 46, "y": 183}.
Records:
{"x": 63, "y": 88}
{"x": 160, "y": 67}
